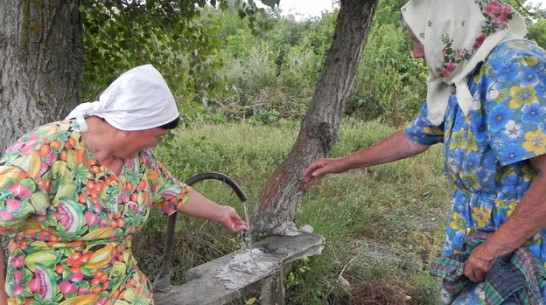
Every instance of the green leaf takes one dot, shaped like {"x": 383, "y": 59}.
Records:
{"x": 250, "y": 301}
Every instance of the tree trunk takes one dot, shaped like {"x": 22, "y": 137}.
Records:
{"x": 41, "y": 64}
{"x": 278, "y": 201}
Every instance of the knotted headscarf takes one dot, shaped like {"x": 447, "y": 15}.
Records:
{"x": 457, "y": 35}
{"x": 139, "y": 99}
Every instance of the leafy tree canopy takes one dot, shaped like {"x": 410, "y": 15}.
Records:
{"x": 121, "y": 34}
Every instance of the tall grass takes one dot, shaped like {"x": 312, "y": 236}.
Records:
{"x": 380, "y": 223}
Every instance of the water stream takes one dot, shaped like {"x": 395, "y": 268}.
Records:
{"x": 248, "y": 234}
{"x": 248, "y": 265}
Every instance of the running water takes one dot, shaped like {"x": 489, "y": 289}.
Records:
{"x": 248, "y": 235}
{"x": 248, "y": 265}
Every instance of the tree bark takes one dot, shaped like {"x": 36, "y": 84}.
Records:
{"x": 41, "y": 64}
{"x": 275, "y": 210}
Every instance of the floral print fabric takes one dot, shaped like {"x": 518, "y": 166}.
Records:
{"x": 457, "y": 36}
{"x": 486, "y": 152}
{"x": 497, "y": 16}
{"x": 71, "y": 220}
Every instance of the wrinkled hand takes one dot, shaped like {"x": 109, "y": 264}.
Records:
{"x": 478, "y": 264}
{"x": 318, "y": 169}
{"x": 231, "y": 220}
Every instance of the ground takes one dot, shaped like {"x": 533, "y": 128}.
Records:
{"x": 382, "y": 292}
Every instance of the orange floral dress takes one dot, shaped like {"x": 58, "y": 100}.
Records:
{"x": 71, "y": 220}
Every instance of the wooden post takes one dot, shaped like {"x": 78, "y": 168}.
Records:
{"x": 272, "y": 292}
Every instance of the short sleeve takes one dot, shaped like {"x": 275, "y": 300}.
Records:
{"x": 423, "y": 132}
{"x": 169, "y": 194}
{"x": 22, "y": 189}
{"x": 516, "y": 101}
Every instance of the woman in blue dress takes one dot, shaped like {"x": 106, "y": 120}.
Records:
{"x": 486, "y": 102}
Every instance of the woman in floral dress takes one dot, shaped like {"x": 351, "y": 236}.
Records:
{"x": 486, "y": 103}
{"x": 74, "y": 192}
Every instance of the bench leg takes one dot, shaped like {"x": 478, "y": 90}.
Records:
{"x": 272, "y": 292}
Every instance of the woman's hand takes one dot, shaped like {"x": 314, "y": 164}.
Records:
{"x": 318, "y": 169}
{"x": 231, "y": 220}
{"x": 199, "y": 206}
{"x": 528, "y": 218}
{"x": 395, "y": 147}
{"x": 478, "y": 264}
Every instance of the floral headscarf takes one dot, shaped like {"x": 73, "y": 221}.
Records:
{"x": 457, "y": 35}
{"x": 139, "y": 99}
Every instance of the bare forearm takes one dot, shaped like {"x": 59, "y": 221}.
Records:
{"x": 527, "y": 219}
{"x": 199, "y": 206}
{"x": 395, "y": 147}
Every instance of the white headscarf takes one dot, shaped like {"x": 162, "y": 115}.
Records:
{"x": 457, "y": 35}
{"x": 139, "y": 99}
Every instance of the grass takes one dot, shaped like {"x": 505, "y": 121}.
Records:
{"x": 382, "y": 224}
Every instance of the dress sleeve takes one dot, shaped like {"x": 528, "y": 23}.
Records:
{"x": 424, "y": 133}
{"x": 515, "y": 102}
{"x": 22, "y": 189}
{"x": 169, "y": 194}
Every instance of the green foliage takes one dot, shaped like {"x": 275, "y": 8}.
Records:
{"x": 537, "y": 32}
{"x": 227, "y": 60}
{"x": 176, "y": 37}
{"x": 264, "y": 117}
{"x": 385, "y": 222}
{"x": 390, "y": 84}
{"x": 119, "y": 39}
{"x": 273, "y": 70}
{"x": 534, "y": 18}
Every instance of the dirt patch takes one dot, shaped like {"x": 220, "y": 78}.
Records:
{"x": 382, "y": 292}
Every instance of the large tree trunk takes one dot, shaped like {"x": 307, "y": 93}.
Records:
{"x": 41, "y": 62}
{"x": 278, "y": 201}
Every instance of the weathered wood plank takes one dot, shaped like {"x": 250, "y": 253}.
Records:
{"x": 223, "y": 280}
{"x": 198, "y": 292}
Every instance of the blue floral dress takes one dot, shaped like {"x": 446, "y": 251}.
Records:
{"x": 487, "y": 152}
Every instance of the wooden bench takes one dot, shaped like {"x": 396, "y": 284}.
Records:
{"x": 207, "y": 285}
{"x": 233, "y": 276}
